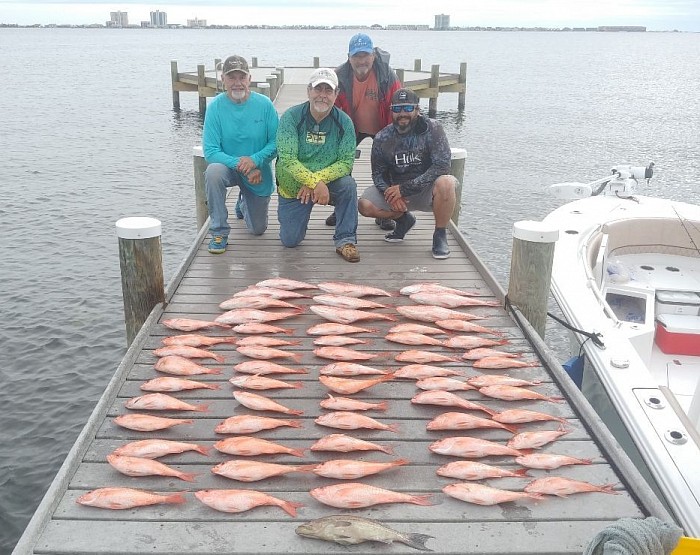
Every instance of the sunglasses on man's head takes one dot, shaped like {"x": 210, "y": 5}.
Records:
{"x": 398, "y": 108}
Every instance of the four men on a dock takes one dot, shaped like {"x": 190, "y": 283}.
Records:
{"x": 366, "y": 84}
{"x": 238, "y": 141}
{"x": 316, "y": 152}
{"x": 411, "y": 171}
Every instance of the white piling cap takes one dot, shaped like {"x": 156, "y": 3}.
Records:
{"x": 197, "y": 151}
{"x": 263, "y": 85}
{"x": 138, "y": 228}
{"x": 535, "y": 232}
{"x": 458, "y": 153}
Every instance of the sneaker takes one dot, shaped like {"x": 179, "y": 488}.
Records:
{"x": 217, "y": 245}
{"x": 330, "y": 220}
{"x": 349, "y": 252}
{"x": 403, "y": 226}
{"x": 239, "y": 212}
{"x": 440, "y": 248}
{"x": 386, "y": 224}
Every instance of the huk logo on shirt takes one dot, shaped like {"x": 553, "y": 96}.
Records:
{"x": 407, "y": 159}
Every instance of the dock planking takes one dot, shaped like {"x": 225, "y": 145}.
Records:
{"x": 551, "y": 526}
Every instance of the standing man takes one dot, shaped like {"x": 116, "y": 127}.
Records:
{"x": 239, "y": 145}
{"x": 411, "y": 171}
{"x": 316, "y": 151}
{"x": 366, "y": 85}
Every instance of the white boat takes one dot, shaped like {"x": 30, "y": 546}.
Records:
{"x": 626, "y": 271}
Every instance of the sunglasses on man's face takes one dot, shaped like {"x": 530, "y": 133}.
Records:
{"x": 398, "y": 108}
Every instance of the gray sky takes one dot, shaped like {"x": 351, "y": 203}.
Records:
{"x": 656, "y": 15}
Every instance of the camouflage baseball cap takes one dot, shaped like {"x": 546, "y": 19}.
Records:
{"x": 235, "y": 63}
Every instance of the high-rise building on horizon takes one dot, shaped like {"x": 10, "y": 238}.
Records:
{"x": 159, "y": 19}
{"x": 196, "y": 23}
{"x": 118, "y": 19}
{"x": 442, "y": 22}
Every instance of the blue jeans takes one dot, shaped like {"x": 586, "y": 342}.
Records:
{"x": 217, "y": 178}
{"x": 294, "y": 216}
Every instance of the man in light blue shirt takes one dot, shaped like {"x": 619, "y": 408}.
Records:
{"x": 239, "y": 145}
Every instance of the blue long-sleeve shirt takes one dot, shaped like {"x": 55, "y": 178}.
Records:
{"x": 248, "y": 129}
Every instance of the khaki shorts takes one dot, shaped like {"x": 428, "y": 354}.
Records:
{"x": 423, "y": 201}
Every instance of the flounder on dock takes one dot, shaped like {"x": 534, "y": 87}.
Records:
{"x": 351, "y": 530}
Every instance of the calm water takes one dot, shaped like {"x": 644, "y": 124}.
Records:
{"x": 89, "y": 136}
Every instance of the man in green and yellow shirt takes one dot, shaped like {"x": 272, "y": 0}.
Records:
{"x": 316, "y": 151}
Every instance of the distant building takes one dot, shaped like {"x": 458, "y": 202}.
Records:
{"x": 159, "y": 19}
{"x": 118, "y": 19}
{"x": 442, "y": 22}
{"x": 407, "y": 27}
{"x": 196, "y": 23}
{"x": 628, "y": 28}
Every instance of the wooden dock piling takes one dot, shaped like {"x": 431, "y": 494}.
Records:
{"x": 141, "y": 264}
{"x": 426, "y": 84}
{"x": 200, "y": 193}
{"x": 531, "y": 270}
{"x": 457, "y": 163}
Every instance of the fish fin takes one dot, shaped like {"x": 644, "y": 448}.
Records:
{"x": 417, "y": 541}
{"x": 203, "y": 450}
{"x": 290, "y": 507}
{"x": 175, "y": 498}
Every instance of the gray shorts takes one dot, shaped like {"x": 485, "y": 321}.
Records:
{"x": 423, "y": 201}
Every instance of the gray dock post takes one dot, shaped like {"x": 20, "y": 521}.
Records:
{"x": 200, "y": 193}
{"x": 201, "y": 85}
{"x": 531, "y": 270}
{"x": 141, "y": 261}
{"x": 174, "y": 78}
{"x": 457, "y": 163}
{"x": 400, "y": 72}
{"x": 280, "y": 72}
{"x": 434, "y": 89}
{"x": 254, "y": 61}
{"x": 265, "y": 89}
{"x": 317, "y": 61}
{"x": 272, "y": 81}
{"x": 462, "y": 96}
{"x": 417, "y": 64}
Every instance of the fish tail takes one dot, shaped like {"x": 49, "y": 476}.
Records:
{"x": 384, "y": 405}
{"x": 175, "y": 498}
{"x": 305, "y": 468}
{"x": 229, "y": 339}
{"x": 511, "y": 429}
{"x": 295, "y": 424}
{"x": 187, "y": 476}
{"x": 393, "y": 428}
{"x": 225, "y": 326}
{"x": 204, "y": 407}
{"x": 297, "y": 452}
{"x": 521, "y": 472}
{"x": 296, "y": 412}
{"x": 417, "y": 541}
{"x": 212, "y": 371}
{"x": 296, "y": 357}
{"x": 212, "y": 386}
{"x": 540, "y": 496}
{"x": 400, "y": 462}
{"x": 387, "y": 450}
{"x": 297, "y": 385}
{"x": 290, "y": 507}
{"x": 608, "y": 488}
{"x": 202, "y": 449}
{"x": 422, "y": 499}
{"x": 218, "y": 358}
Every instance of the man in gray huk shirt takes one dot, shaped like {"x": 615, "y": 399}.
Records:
{"x": 411, "y": 171}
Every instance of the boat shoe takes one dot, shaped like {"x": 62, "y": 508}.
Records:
{"x": 349, "y": 252}
{"x": 387, "y": 224}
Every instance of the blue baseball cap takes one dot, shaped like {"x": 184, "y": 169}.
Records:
{"x": 360, "y": 43}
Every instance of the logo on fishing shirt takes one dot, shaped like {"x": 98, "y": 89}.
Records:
{"x": 406, "y": 159}
{"x": 315, "y": 136}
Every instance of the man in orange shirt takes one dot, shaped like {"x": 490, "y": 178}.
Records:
{"x": 366, "y": 85}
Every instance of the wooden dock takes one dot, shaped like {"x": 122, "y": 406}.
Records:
{"x": 551, "y": 526}
{"x": 269, "y": 80}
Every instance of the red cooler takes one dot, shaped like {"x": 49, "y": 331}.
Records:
{"x": 678, "y": 334}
